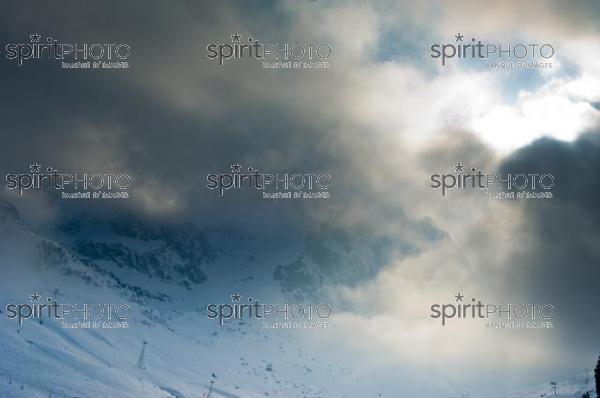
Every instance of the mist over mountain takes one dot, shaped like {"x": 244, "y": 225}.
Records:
{"x": 140, "y": 265}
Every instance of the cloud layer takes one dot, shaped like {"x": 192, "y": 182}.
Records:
{"x": 381, "y": 120}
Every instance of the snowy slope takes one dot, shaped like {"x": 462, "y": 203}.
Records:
{"x": 186, "y": 352}
{"x": 187, "y": 355}
{"x": 569, "y": 387}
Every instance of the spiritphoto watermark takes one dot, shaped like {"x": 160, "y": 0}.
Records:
{"x": 281, "y": 185}
{"x": 523, "y": 185}
{"x": 271, "y": 55}
{"x": 494, "y": 315}
{"x": 69, "y": 55}
{"x": 272, "y": 315}
{"x": 70, "y": 185}
{"x": 509, "y": 55}
{"x": 70, "y": 316}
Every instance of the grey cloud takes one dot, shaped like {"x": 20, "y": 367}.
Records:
{"x": 175, "y": 116}
{"x": 561, "y": 264}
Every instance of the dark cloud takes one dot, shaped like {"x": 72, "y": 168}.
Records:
{"x": 176, "y": 116}
{"x": 134, "y": 120}
{"x": 560, "y": 261}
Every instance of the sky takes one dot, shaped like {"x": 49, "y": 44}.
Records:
{"x": 381, "y": 119}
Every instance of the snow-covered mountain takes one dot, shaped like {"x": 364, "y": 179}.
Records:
{"x": 167, "y": 275}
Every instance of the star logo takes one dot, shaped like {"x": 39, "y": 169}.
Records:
{"x": 459, "y": 297}
{"x": 35, "y": 168}
{"x": 235, "y": 37}
{"x": 35, "y": 38}
{"x": 35, "y": 298}
{"x": 236, "y": 167}
{"x": 236, "y": 297}
{"x": 459, "y": 167}
{"x": 459, "y": 37}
